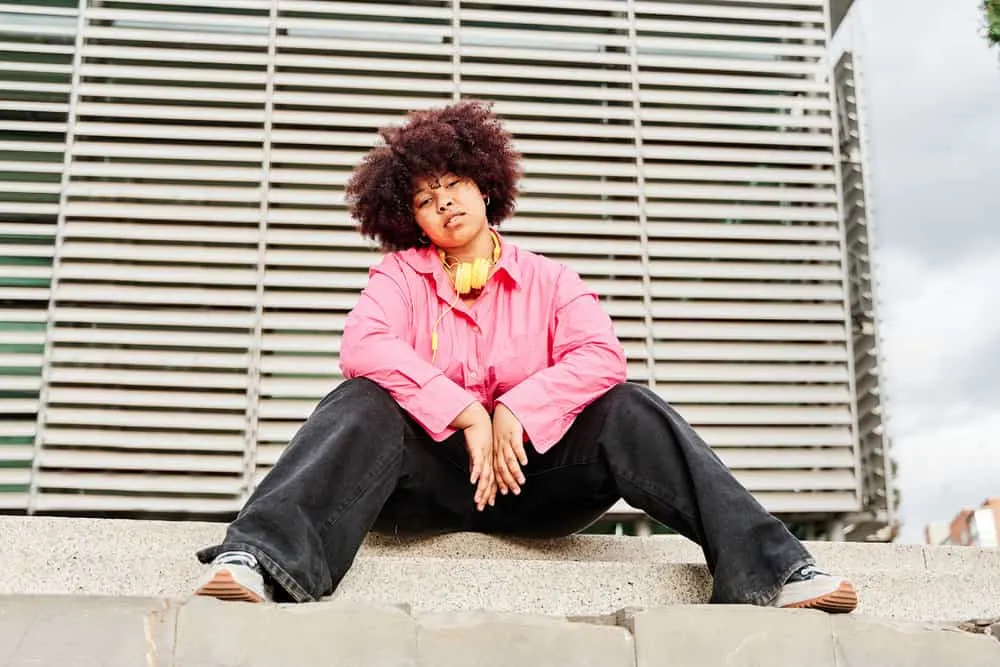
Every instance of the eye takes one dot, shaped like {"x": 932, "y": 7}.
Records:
{"x": 423, "y": 202}
{"x": 454, "y": 182}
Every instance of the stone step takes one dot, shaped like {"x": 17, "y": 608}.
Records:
{"x": 578, "y": 576}
{"x": 126, "y": 632}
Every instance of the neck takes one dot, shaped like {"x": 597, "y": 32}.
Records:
{"x": 481, "y": 246}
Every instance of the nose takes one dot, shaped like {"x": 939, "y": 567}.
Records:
{"x": 443, "y": 204}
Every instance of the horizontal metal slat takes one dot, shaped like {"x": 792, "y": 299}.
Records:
{"x": 203, "y": 74}
{"x": 143, "y": 378}
{"x": 65, "y": 458}
{"x": 667, "y": 372}
{"x": 734, "y": 310}
{"x": 671, "y": 152}
{"x": 755, "y": 331}
{"x": 784, "y": 34}
{"x": 179, "y": 172}
{"x": 797, "y": 480}
{"x": 141, "y": 484}
{"x": 778, "y": 252}
{"x": 547, "y": 40}
{"x": 324, "y": 362}
{"x": 142, "y": 440}
{"x": 14, "y": 406}
{"x": 150, "y": 131}
{"x": 178, "y": 153}
{"x": 151, "y": 111}
{"x": 155, "y": 420}
{"x": 122, "y": 91}
{"x": 825, "y": 503}
{"x": 156, "y": 54}
{"x": 746, "y": 291}
{"x": 746, "y": 231}
{"x": 161, "y": 211}
{"x": 730, "y": 270}
{"x": 152, "y": 274}
{"x": 745, "y": 352}
{"x": 200, "y": 400}
{"x": 753, "y": 394}
{"x": 509, "y": 52}
{"x": 22, "y": 383}
{"x": 202, "y": 234}
{"x": 193, "y": 21}
{"x": 133, "y": 294}
{"x": 717, "y": 415}
{"x": 758, "y": 457}
{"x": 134, "y": 357}
{"x": 647, "y": 41}
{"x": 241, "y": 322}
{"x": 743, "y": 12}
{"x": 91, "y": 502}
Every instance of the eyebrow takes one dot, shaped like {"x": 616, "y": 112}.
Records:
{"x": 417, "y": 192}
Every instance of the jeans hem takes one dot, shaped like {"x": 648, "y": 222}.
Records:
{"x": 767, "y": 597}
{"x": 275, "y": 571}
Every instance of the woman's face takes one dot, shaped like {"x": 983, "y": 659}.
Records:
{"x": 449, "y": 209}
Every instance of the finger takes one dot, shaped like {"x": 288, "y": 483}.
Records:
{"x": 476, "y": 461}
{"x": 512, "y": 469}
{"x": 482, "y": 490}
{"x": 522, "y": 456}
{"x": 498, "y": 469}
{"x": 504, "y": 457}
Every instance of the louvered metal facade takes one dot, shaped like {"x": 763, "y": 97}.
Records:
{"x": 176, "y": 262}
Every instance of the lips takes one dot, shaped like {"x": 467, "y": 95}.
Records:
{"x": 453, "y": 219}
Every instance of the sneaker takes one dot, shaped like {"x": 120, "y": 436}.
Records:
{"x": 236, "y": 576}
{"x": 812, "y": 588}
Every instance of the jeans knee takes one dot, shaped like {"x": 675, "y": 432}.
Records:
{"x": 628, "y": 394}
{"x": 357, "y": 389}
{"x": 362, "y": 401}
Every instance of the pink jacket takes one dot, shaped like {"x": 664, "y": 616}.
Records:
{"x": 536, "y": 340}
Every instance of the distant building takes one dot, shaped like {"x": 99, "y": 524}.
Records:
{"x": 972, "y": 527}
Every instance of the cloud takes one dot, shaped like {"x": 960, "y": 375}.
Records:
{"x": 941, "y": 343}
{"x": 933, "y": 92}
{"x": 932, "y": 88}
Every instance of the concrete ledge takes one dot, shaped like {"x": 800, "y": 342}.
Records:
{"x": 578, "y": 576}
{"x": 125, "y": 632}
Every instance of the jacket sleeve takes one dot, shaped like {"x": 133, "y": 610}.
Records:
{"x": 587, "y": 358}
{"x": 375, "y": 346}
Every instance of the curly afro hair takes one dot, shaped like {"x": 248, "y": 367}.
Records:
{"x": 466, "y": 139}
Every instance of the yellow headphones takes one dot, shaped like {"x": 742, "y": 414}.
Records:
{"x": 472, "y": 275}
{"x": 468, "y": 276}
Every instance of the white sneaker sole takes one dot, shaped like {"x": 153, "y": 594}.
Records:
{"x": 843, "y": 600}
{"x": 224, "y": 584}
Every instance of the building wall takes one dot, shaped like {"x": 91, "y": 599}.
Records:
{"x": 176, "y": 261}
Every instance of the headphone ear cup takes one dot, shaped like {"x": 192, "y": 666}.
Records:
{"x": 463, "y": 278}
{"x": 480, "y": 272}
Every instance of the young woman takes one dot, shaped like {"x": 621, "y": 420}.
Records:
{"x": 486, "y": 392}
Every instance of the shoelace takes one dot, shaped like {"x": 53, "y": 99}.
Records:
{"x": 808, "y": 572}
{"x": 236, "y": 558}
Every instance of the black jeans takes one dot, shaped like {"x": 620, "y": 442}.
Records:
{"x": 360, "y": 463}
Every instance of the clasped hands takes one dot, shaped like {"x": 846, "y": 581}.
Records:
{"x": 496, "y": 451}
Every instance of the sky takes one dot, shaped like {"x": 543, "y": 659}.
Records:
{"x": 932, "y": 87}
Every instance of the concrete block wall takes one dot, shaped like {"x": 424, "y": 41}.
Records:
{"x": 130, "y": 632}
{"x": 578, "y": 576}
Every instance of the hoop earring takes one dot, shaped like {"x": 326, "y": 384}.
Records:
{"x": 487, "y": 200}
{"x": 423, "y": 239}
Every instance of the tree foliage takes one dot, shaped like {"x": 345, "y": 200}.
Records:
{"x": 991, "y": 12}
